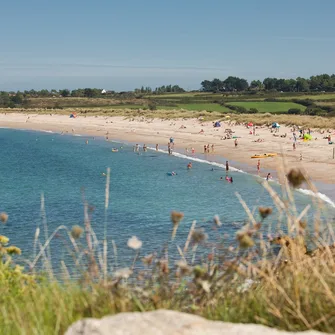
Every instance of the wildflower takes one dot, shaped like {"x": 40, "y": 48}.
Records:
{"x": 198, "y": 236}
{"x": 295, "y": 178}
{"x": 264, "y": 212}
{"x": 76, "y": 232}
{"x": 134, "y": 243}
{"x": 217, "y": 221}
{"x": 3, "y": 217}
{"x": 4, "y": 239}
{"x": 148, "y": 259}
{"x": 12, "y": 250}
{"x": 123, "y": 273}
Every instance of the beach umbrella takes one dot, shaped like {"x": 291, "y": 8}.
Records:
{"x": 250, "y": 124}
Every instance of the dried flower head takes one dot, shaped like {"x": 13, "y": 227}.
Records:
{"x": 3, "y": 217}
{"x": 183, "y": 268}
{"x": 198, "y": 236}
{"x": 76, "y": 232}
{"x": 148, "y": 259}
{"x": 4, "y": 239}
{"x": 12, "y": 250}
{"x": 296, "y": 178}
{"x": 217, "y": 221}
{"x": 123, "y": 273}
{"x": 264, "y": 212}
{"x": 134, "y": 243}
{"x": 176, "y": 217}
{"x": 245, "y": 240}
{"x": 302, "y": 224}
{"x": 164, "y": 266}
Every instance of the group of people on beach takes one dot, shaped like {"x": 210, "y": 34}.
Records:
{"x": 207, "y": 147}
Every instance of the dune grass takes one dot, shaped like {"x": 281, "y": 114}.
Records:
{"x": 246, "y": 282}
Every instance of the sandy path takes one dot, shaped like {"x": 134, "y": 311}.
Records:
{"x": 317, "y": 155}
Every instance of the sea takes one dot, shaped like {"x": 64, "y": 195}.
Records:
{"x": 142, "y": 194}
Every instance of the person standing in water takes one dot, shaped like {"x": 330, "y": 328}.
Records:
{"x": 258, "y": 166}
{"x": 189, "y": 166}
{"x": 144, "y": 147}
{"x": 227, "y": 167}
{"x": 169, "y": 148}
{"x": 156, "y": 147}
{"x": 268, "y": 176}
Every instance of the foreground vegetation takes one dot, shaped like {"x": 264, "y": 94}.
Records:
{"x": 247, "y": 281}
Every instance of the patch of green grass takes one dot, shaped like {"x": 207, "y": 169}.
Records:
{"x": 210, "y": 107}
{"x": 268, "y": 107}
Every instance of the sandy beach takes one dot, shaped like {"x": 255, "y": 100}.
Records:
{"x": 315, "y": 156}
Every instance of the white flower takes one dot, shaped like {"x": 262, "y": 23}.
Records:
{"x": 123, "y": 273}
{"x": 206, "y": 286}
{"x": 134, "y": 243}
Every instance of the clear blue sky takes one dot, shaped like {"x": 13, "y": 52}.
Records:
{"x": 129, "y": 43}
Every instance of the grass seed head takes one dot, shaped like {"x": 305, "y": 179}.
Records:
{"x": 76, "y": 232}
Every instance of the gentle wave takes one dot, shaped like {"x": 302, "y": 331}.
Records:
{"x": 199, "y": 160}
{"x": 319, "y": 195}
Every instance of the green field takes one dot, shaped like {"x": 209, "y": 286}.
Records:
{"x": 268, "y": 107}
{"x": 210, "y": 107}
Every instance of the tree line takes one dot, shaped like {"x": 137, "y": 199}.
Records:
{"x": 319, "y": 83}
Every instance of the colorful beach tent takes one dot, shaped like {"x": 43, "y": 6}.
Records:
{"x": 217, "y": 124}
{"x": 250, "y": 124}
{"x": 73, "y": 115}
{"x": 307, "y": 137}
{"x": 275, "y": 125}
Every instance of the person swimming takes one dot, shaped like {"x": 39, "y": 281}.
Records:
{"x": 189, "y": 165}
{"x": 268, "y": 176}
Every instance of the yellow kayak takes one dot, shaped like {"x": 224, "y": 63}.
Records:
{"x": 264, "y": 155}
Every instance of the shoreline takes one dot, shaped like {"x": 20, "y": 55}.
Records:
{"x": 186, "y": 134}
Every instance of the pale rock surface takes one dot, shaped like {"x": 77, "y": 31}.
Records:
{"x": 164, "y": 322}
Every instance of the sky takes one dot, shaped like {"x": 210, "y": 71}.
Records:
{"x": 121, "y": 45}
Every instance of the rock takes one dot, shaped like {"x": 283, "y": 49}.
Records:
{"x": 164, "y": 322}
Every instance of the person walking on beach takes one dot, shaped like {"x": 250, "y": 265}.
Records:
{"x": 235, "y": 142}
{"x": 254, "y": 130}
{"x": 205, "y": 149}
{"x": 212, "y": 148}
{"x": 258, "y": 166}
{"x": 293, "y": 145}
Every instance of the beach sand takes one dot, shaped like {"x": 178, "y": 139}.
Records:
{"x": 317, "y": 154}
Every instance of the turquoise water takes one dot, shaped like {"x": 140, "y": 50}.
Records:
{"x": 142, "y": 195}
